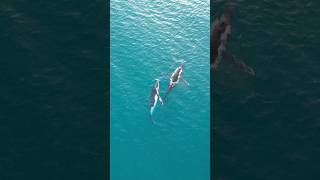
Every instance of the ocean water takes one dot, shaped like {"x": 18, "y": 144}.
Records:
{"x": 149, "y": 39}
{"x": 53, "y": 103}
{"x": 267, "y": 127}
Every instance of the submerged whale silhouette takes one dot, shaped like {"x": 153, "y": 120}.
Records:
{"x": 221, "y": 29}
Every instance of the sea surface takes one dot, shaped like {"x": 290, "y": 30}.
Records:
{"x": 53, "y": 92}
{"x": 267, "y": 127}
{"x": 149, "y": 39}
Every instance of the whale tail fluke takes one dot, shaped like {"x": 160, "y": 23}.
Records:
{"x": 151, "y": 119}
{"x": 153, "y": 122}
{"x": 238, "y": 64}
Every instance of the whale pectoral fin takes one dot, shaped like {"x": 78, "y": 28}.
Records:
{"x": 185, "y": 82}
{"x": 238, "y": 63}
{"x": 160, "y": 99}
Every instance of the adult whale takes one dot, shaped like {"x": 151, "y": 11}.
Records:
{"x": 154, "y": 98}
{"x": 175, "y": 79}
{"x": 221, "y": 29}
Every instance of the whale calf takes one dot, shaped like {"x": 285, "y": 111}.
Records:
{"x": 154, "y": 98}
{"x": 221, "y": 29}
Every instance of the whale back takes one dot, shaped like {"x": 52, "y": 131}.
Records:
{"x": 153, "y": 96}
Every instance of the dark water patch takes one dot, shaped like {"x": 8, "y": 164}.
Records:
{"x": 53, "y": 92}
{"x": 266, "y": 127}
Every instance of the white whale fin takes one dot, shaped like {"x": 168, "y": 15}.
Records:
{"x": 160, "y": 99}
{"x": 238, "y": 63}
{"x": 185, "y": 82}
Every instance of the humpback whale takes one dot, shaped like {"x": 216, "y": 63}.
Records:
{"x": 221, "y": 29}
{"x": 175, "y": 78}
{"x": 154, "y": 98}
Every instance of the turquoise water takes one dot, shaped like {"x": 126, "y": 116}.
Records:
{"x": 149, "y": 39}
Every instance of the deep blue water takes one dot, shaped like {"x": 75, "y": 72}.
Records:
{"x": 149, "y": 39}
{"x": 267, "y": 127}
